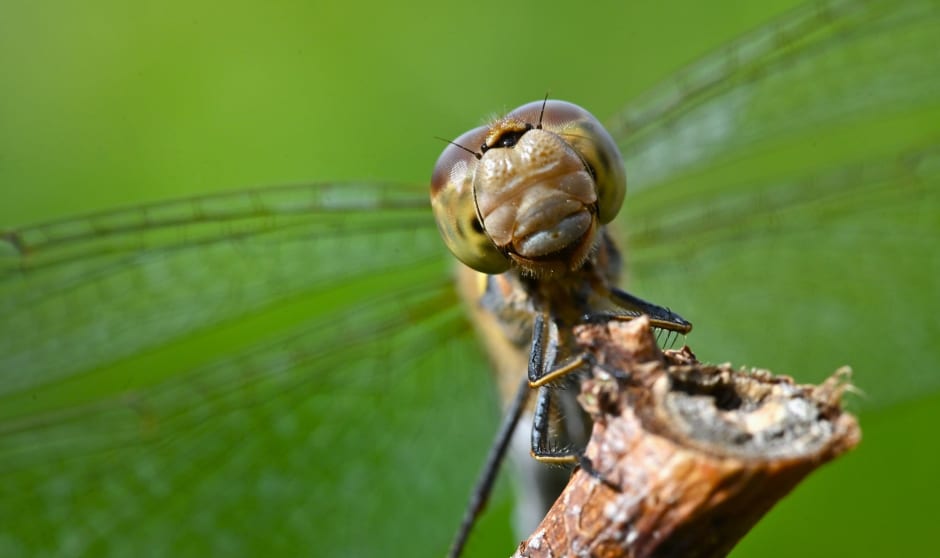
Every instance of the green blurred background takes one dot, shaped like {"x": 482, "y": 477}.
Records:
{"x": 111, "y": 103}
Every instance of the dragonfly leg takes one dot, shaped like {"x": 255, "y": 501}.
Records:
{"x": 542, "y": 374}
{"x": 541, "y": 447}
{"x": 660, "y": 317}
{"x": 541, "y": 355}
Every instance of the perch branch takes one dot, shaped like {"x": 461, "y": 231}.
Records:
{"x": 687, "y": 457}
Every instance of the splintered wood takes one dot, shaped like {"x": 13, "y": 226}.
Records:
{"x": 687, "y": 457}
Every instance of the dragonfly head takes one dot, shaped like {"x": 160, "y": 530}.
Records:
{"x": 545, "y": 177}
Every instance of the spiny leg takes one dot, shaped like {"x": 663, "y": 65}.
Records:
{"x": 541, "y": 449}
{"x": 660, "y": 317}
{"x": 544, "y": 344}
{"x": 542, "y": 373}
{"x": 542, "y": 354}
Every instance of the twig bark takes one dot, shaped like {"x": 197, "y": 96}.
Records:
{"x": 687, "y": 456}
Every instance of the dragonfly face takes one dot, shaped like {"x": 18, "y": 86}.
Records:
{"x": 545, "y": 177}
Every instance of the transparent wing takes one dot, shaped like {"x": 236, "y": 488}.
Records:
{"x": 785, "y": 196}
{"x": 786, "y": 200}
{"x": 219, "y": 375}
{"x": 216, "y": 257}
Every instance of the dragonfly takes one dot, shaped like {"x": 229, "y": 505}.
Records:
{"x": 207, "y": 376}
{"x": 527, "y": 211}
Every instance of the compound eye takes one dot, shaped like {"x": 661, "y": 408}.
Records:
{"x": 587, "y": 136}
{"x": 455, "y": 208}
